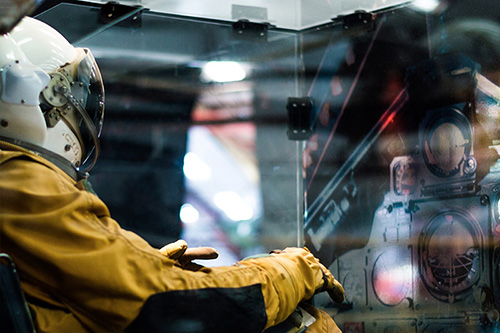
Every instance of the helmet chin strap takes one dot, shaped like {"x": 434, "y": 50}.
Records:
{"x": 63, "y": 90}
{"x": 50, "y": 156}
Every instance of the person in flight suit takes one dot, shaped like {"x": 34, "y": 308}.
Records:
{"x": 79, "y": 270}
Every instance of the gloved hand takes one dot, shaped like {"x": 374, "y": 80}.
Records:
{"x": 183, "y": 255}
{"x": 328, "y": 283}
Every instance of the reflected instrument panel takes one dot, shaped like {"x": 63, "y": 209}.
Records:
{"x": 430, "y": 261}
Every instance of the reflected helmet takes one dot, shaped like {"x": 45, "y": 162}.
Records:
{"x": 52, "y": 95}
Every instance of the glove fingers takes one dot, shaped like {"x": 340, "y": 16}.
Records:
{"x": 333, "y": 287}
{"x": 328, "y": 283}
{"x": 336, "y": 292}
{"x": 199, "y": 253}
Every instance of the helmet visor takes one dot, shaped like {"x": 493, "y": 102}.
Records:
{"x": 92, "y": 100}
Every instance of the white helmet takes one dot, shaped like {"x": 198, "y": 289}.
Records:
{"x": 52, "y": 95}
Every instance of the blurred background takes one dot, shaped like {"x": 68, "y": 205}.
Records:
{"x": 366, "y": 130}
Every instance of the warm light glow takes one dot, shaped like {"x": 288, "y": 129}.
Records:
{"x": 189, "y": 214}
{"x": 195, "y": 168}
{"x": 233, "y": 206}
{"x": 222, "y": 71}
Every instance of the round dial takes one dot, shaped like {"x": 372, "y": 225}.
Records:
{"x": 392, "y": 276}
{"x": 354, "y": 285}
{"x": 446, "y": 142}
{"x": 450, "y": 256}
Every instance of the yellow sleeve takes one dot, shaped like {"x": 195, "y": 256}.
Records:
{"x": 72, "y": 256}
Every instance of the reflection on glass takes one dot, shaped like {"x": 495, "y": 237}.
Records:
{"x": 450, "y": 256}
{"x": 392, "y": 277}
{"x": 404, "y": 189}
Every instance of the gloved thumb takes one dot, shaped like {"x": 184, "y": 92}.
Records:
{"x": 174, "y": 250}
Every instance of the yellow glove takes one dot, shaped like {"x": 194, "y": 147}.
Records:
{"x": 183, "y": 255}
{"x": 328, "y": 282}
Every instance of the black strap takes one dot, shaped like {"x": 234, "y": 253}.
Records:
{"x": 52, "y": 157}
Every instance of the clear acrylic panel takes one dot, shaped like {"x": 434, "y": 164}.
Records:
{"x": 284, "y": 14}
{"x": 398, "y": 182}
{"x": 402, "y": 169}
{"x": 194, "y": 143}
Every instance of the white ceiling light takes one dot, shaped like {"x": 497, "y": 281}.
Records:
{"x": 233, "y": 206}
{"x": 222, "y": 71}
{"x": 426, "y": 5}
{"x": 195, "y": 168}
{"x": 189, "y": 214}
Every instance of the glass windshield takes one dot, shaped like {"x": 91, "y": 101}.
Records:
{"x": 393, "y": 181}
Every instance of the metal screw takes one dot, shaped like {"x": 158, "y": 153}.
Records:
{"x": 67, "y": 148}
{"x": 4, "y": 123}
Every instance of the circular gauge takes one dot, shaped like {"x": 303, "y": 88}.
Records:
{"x": 354, "y": 285}
{"x": 447, "y": 141}
{"x": 450, "y": 256}
{"x": 405, "y": 177}
{"x": 392, "y": 276}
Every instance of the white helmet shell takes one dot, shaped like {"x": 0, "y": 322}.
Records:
{"x": 10, "y": 50}
{"x": 35, "y": 107}
{"x": 20, "y": 85}
{"x": 44, "y": 46}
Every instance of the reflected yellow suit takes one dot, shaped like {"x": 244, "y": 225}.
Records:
{"x": 81, "y": 271}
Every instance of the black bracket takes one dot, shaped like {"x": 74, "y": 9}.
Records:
{"x": 112, "y": 12}
{"x": 357, "y": 23}
{"x": 299, "y": 118}
{"x": 250, "y": 31}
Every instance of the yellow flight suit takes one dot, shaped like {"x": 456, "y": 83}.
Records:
{"x": 81, "y": 272}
